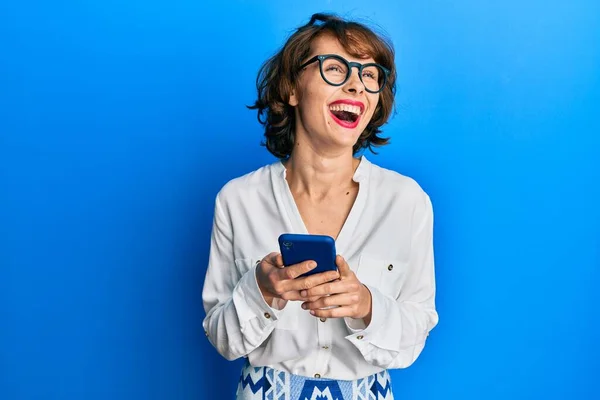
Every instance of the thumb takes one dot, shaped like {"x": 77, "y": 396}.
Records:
{"x": 343, "y": 266}
{"x": 277, "y": 260}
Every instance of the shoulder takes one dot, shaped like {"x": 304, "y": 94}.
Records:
{"x": 390, "y": 183}
{"x": 400, "y": 196}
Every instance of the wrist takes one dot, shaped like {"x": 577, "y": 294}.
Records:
{"x": 268, "y": 297}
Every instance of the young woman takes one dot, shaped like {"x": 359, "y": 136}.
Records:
{"x": 322, "y": 98}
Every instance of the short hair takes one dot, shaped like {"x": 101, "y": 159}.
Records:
{"x": 278, "y": 75}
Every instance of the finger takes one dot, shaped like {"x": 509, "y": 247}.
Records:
{"x": 292, "y": 295}
{"x": 330, "y": 301}
{"x": 343, "y": 266}
{"x": 334, "y": 287}
{"x": 308, "y": 282}
{"x": 294, "y": 271}
{"x": 278, "y": 260}
{"x": 295, "y": 295}
{"x": 337, "y": 312}
{"x": 268, "y": 258}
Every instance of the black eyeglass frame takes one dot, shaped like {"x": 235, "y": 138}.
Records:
{"x": 350, "y": 65}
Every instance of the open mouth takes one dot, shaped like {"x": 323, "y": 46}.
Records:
{"x": 346, "y": 115}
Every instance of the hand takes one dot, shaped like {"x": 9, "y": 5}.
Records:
{"x": 348, "y": 296}
{"x": 278, "y": 281}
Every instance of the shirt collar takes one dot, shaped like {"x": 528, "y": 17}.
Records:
{"x": 360, "y": 174}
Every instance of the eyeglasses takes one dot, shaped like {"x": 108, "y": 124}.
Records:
{"x": 336, "y": 70}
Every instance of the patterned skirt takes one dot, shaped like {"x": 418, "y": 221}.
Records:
{"x": 264, "y": 383}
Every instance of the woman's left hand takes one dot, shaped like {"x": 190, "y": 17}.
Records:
{"x": 347, "y": 296}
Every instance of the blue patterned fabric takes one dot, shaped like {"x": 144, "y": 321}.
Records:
{"x": 264, "y": 383}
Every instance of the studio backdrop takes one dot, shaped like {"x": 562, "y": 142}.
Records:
{"x": 120, "y": 121}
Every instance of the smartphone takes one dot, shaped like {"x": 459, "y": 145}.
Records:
{"x": 296, "y": 248}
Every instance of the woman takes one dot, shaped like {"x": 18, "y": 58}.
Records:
{"x": 322, "y": 98}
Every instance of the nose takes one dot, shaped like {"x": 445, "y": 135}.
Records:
{"x": 354, "y": 84}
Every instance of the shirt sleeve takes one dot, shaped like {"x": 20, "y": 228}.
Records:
{"x": 399, "y": 327}
{"x": 237, "y": 318}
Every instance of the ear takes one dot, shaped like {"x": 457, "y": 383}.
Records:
{"x": 293, "y": 100}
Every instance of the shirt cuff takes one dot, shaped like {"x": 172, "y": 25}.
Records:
{"x": 250, "y": 303}
{"x": 360, "y": 334}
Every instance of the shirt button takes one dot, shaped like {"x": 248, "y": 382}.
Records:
{"x": 359, "y": 337}
{"x": 390, "y": 267}
{"x": 206, "y": 333}
{"x": 323, "y": 319}
{"x": 325, "y": 347}
{"x": 267, "y": 315}
{"x": 317, "y": 375}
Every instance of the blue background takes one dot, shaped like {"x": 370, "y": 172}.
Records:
{"x": 120, "y": 120}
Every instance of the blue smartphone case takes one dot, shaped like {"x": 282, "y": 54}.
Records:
{"x": 296, "y": 248}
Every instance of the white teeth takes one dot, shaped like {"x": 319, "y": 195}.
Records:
{"x": 345, "y": 107}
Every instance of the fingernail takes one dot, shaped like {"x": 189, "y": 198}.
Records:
{"x": 303, "y": 293}
{"x": 312, "y": 264}
{"x": 304, "y": 306}
{"x": 312, "y": 312}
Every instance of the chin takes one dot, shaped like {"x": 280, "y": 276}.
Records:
{"x": 347, "y": 141}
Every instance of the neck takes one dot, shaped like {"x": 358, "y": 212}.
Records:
{"x": 318, "y": 175}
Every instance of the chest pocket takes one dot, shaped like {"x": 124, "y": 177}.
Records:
{"x": 386, "y": 274}
{"x": 288, "y": 318}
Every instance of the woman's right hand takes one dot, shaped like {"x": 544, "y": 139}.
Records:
{"x": 278, "y": 281}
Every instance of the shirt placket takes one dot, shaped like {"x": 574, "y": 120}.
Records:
{"x": 324, "y": 335}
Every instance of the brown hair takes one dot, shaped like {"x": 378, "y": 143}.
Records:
{"x": 278, "y": 75}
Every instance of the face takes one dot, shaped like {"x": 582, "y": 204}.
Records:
{"x": 331, "y": 117}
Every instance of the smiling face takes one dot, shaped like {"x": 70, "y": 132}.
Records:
{"x": 331, "y": 118}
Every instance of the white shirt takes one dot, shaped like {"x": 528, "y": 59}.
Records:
{"x": 387, "y": 242}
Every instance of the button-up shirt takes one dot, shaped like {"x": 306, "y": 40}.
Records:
{"x": 387, "y": 240}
